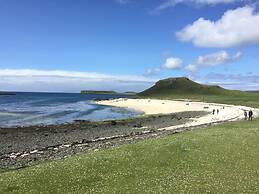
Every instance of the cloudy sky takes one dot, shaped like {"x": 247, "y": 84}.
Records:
{"x": 127, "y": 45}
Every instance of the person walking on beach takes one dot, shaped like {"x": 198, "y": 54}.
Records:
{"x": 245, "y": 114}
{"x": 213, "y": 112}
{"x": 217, "y": 111}
{"x": 250, "y": 115}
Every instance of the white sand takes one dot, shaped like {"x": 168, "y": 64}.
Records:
{"x": 153, "y": 106}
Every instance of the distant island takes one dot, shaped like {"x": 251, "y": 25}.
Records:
{"x": 7, "y": 93}
{"x": 97, "y": 92}
{"x": 130, "y": 93}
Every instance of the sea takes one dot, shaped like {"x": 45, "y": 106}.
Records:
{"x": 27, "y": 108}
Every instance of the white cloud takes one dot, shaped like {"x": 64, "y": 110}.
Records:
{"x": 230, "y": 81}
{"x": 68, "y": 81}
{"x": 192, "y": 68}
{"x": 123, "y": 2}
{"x": 152, "y": 71}
{"x": 171, "y": 3}
{"x": 218, "y": 58}
{"x": 170, "y": 64}
{"x": 173, "y": 63}
{"x": 214, "y": 59}
{"x": 235, "y": 27}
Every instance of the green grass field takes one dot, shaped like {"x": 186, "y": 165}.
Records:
{"x": 218, "y": 159}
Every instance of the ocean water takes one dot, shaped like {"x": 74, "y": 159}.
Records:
{"x": 25, "y": 109}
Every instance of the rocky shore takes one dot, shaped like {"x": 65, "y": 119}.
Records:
{"x": 25, "y": 146}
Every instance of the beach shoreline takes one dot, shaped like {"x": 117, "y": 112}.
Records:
{"x": 25, "y": 146}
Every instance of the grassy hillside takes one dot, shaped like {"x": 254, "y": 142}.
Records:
{"x": 181, "y": 85}
{"x": 218, "y": 159}
{"x": 179, "y": 88}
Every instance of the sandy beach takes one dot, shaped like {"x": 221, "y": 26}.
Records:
{"x": 155, "y": 106}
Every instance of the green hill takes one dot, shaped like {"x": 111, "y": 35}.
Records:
{"x": 184, "y": 88}
{"x": 180, "y": 86}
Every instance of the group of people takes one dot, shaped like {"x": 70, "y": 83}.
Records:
{"x": 214, "y": 111}
{"x": 248, "y": 115}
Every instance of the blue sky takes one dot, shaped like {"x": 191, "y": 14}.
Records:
{"x": 66, "y": 46}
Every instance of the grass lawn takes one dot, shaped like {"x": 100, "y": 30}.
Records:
{"x": 218, "y": 159}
